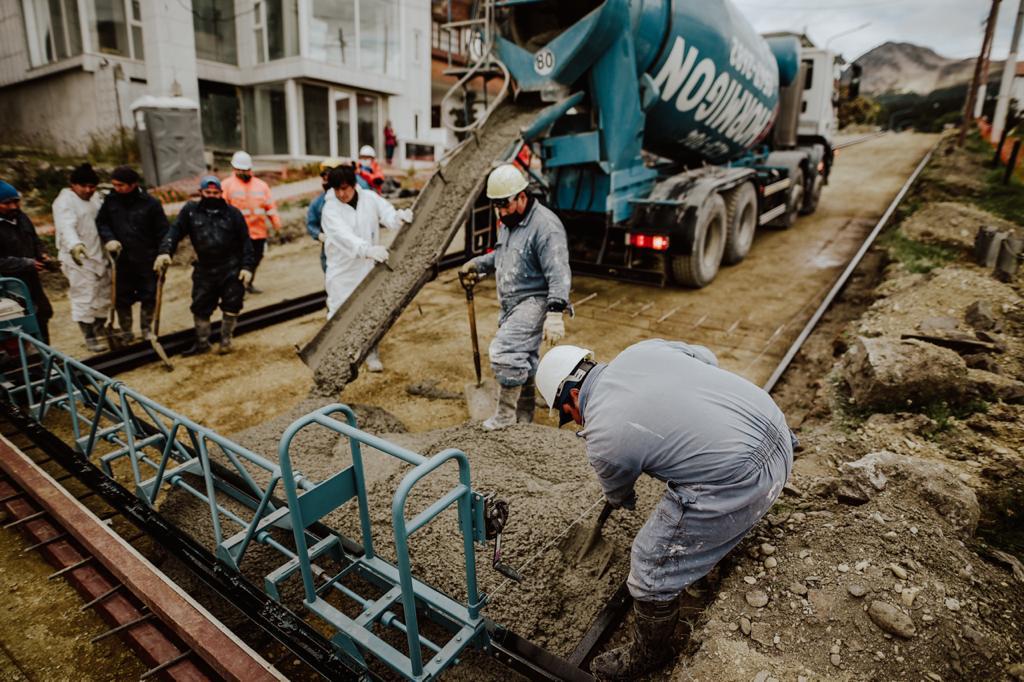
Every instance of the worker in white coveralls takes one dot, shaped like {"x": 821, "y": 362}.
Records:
{"x": 81, "y": 255}
{"x": 531, "y": 265}
{"x": 720, "y": 444}
{"x": 350, "y": 230}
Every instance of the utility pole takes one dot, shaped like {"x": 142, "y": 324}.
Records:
{"x": 1009, "y": 71}
{"x": 990, "y": 27}
{"x": 979, "y": 104}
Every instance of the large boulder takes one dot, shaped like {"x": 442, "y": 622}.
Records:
{"x": 932, "y": 482}
{"x": 885, "y": 374}
{"x": 994, "y": 387}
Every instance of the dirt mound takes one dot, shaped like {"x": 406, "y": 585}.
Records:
{"x": 951, "y": 223}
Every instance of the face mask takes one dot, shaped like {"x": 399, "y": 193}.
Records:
{"x": 244, "y": 177}
{"x": 211, "y": 203}
{"x": 512, "y": 219}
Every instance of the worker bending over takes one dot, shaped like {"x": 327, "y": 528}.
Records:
{"x": 22, "y": 255}
{"x": 531, "y": 264}
{"x": 132, "y": 225}
{"x": 351, "y": 222}
{"x": 252, "y": 197}
{"x": 81, "y": 254}
{"x": 719, "y": 442}
{"x": 224, "y": 261}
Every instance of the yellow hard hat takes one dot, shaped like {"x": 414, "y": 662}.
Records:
{"x": 331, "y": 163}
{"x": 505, "y": 181}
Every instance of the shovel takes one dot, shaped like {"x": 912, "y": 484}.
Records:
{"x": 113, "y": 339}
{"x": 154, "y": 337}
{"x": 585, "y": 545}
{"x": 481, "y": 396}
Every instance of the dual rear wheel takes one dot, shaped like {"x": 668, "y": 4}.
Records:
{"x": 724, "y": 234}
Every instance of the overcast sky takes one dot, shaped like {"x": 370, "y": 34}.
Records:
{"x": 953, "y": 28}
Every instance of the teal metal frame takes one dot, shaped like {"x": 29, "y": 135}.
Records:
{"x": 111, "y": 422}
{"x": 14, "y": 288}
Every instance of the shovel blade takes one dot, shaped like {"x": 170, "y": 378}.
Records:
{"x": 585, "y": 546}
{"x": 481, "y": 400}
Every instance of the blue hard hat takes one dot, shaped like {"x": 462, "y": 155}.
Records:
{"x": 7, "y": 191}
{"x": 208, "y": 180}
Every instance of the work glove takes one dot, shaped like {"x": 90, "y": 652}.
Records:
{"x": 162, "y": 262}
{"x": 78, "y": 253}
{"x": 321, "y": 237}
{"x": 404, "y": 214}
{"x": 377, "y": 253}
{"x": 468, "y": 267}
{"x": 113, "y": 247}
{"x": 628, "y": 502}
{"x": 554, "y": 328}
{"x": 245, "y": 277}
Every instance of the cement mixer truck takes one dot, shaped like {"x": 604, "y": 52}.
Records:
{"x": 672, "y": 130}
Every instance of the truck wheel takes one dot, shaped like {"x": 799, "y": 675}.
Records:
{"x": 811, "y": 203}
{"x": 697, "y": 268}
{"x": 741, "y": 219}
{"x": 794, "y": 201}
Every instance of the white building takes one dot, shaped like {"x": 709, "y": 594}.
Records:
{"x": 280, "y": 78}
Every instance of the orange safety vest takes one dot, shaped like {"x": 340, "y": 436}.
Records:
{"x": 374, "y": 177}
{"x": 254, "y": 200}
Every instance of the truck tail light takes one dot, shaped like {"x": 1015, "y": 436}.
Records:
{"x": 655, "y": 242}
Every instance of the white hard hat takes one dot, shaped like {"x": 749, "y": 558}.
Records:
{"x": 241, "y": 161}
{"x": 367, "y": 150}
{"x": 555, "y": 367}
{"x": 505, "y": 181}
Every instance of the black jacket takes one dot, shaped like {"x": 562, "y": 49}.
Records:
{"x": 219, "y": 235}
{"x": 136, "y": 220}
{"x": 19, "y": 249}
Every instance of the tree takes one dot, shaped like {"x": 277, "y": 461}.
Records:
{"x": 859, "y": 111}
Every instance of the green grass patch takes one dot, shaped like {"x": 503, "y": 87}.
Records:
{"x": 915, "y": 256}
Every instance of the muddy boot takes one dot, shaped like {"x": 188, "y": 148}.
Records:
{"x": 373, "y": 363}
{"x": 653, "y": 631}
{"x": 91, "y": 342}
{"x": 202, "y": 344}
{"x": 505, "y": 415}
{"x": 124, "y": 320}
{"x": 227, "y": 332}
{"x": 146, "y": 320}
{"x": 527, "y": 403}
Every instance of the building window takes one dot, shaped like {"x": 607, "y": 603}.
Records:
{"x": 332, "y": 32}
{"x": 419, "y": 152}
{"x": 53, "y": 30}
{"x": 214, "y": 24}
{"x": 315, "y": 118}
{"x": 221, "y": 114}
{"x": 277, "y": 29}
{"x": 343, "y": 111}
{"x": 266, "y": 120}
{"x": 378, "y": 37}
{"x": 368, "y": 113}
{"x": 117, "y": 27}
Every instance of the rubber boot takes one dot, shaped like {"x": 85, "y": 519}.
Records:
{"x": 227, "y": 332}
{"x": 89, "y": 332}
{"x": 250, "y": 288}
{"x": 124, "y": 320}
{"x": 373, "y": 363}
{"x": 146, "y": 320}
{"x": 654, "y": 628}
{"x": 505, "y": 415}
{"x": 527, "y": 403}
{"x": 202, "y": 344}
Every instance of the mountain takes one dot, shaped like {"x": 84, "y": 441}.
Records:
{"x": 907, "y": 68}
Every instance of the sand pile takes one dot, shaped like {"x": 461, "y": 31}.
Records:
{"x": 343, "y": 342}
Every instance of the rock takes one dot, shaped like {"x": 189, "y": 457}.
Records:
{"x": 952, "y": 604}
{"x": 745, "y": 625}
{"x": 843, "y": 568}
{"x": 1016, "y": 671}
{"x": 771, "y": 562}
{"x": 890, "y": 619}
{"x": 908, "y": 595}
{"x": 798, "y": 589}
{"x": 856, "y": 590}
{"x": 983, "y": 361}
{"x": 990, "y": 386}
{"x": 861, "y": 565}
{"x": 757, "y": 598}
{"x": 762, "y": 634}
{"x": 932, "y": 482}
{"x": 768, "y": 549}
{"x": 750, "y": 580}
{"x": 898, "y": 571}
{"x": 981, "y": 315}
{"x": 835, "y": 659}
{"x": 886, "y": 374}
{"x": 934, "y": 677}
{"x": 932, "y": 325}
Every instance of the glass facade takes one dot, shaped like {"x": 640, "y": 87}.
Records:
{"x": 378, "y": 36}
{"x": 53, "y": 30}
{"x": 368, "y": 107}
{"x": 277, "y": 29}
{"x": 214, "y": 22}
{"x": 332, "y": 32}
{"x": 343, "y": 110}
{"x": 221, "y": 114}
{"x": 266, "y": 121}
{"x": 315, "y": 118}
{"x": 110, "y": 29}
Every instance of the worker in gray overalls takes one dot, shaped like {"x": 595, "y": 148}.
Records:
{"x": 531, "y": 265}
{"x": 720, "y": 444}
